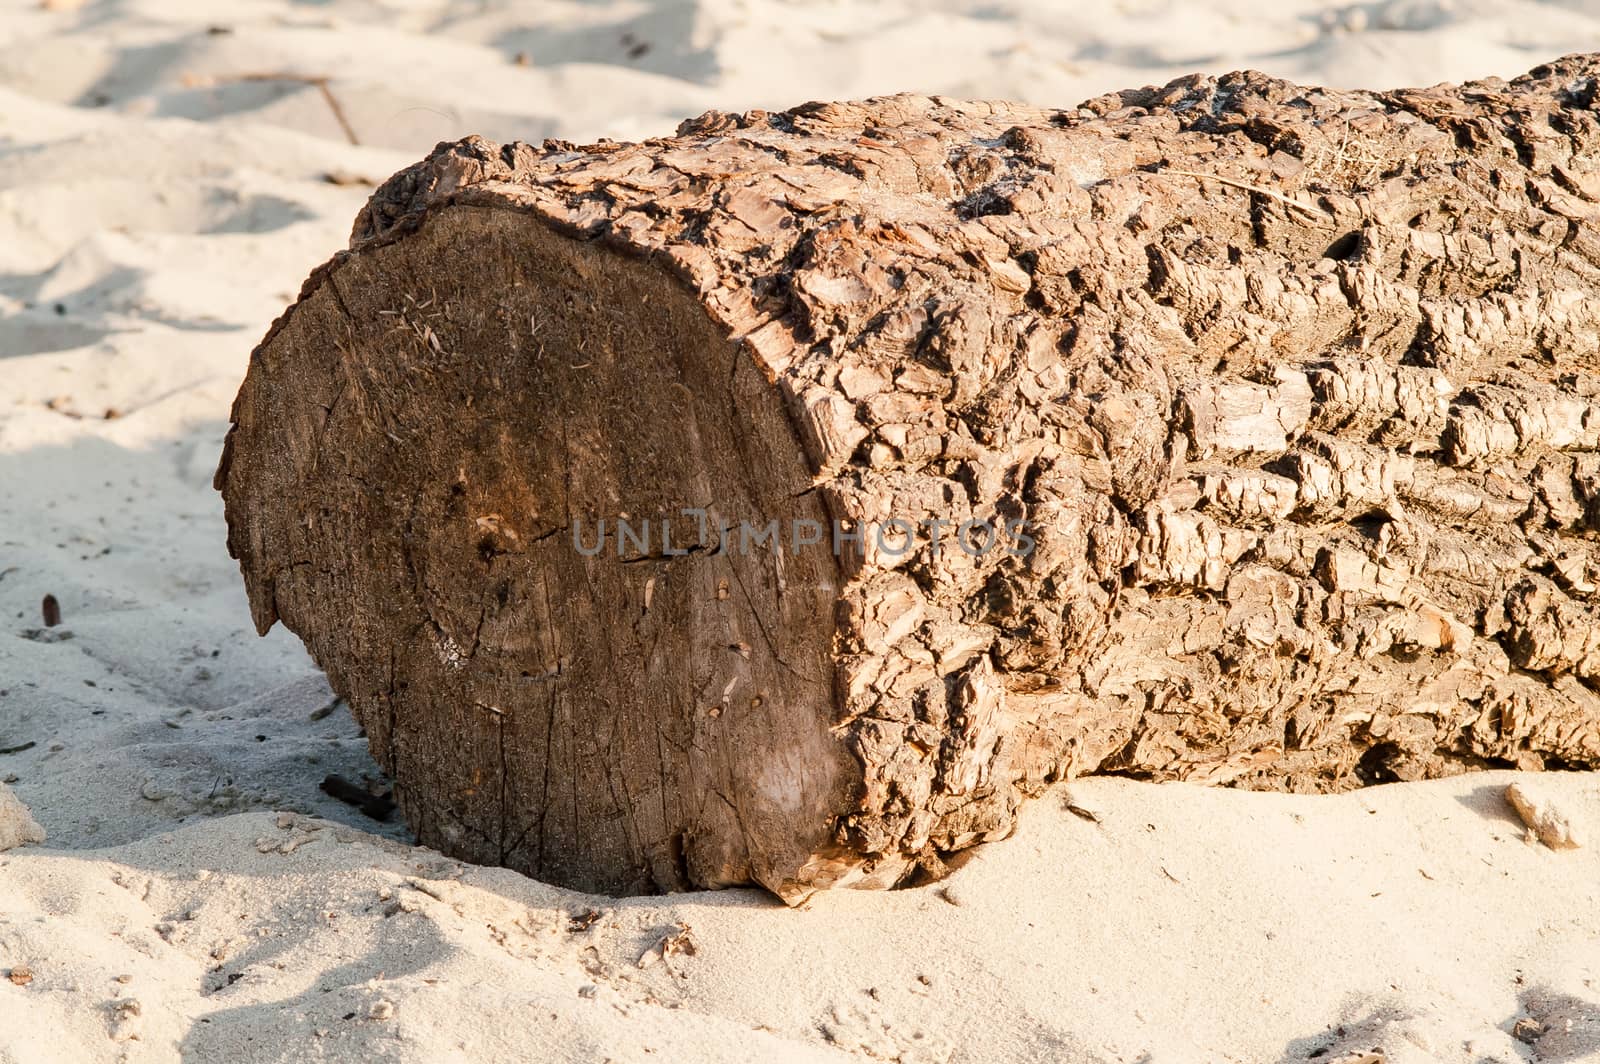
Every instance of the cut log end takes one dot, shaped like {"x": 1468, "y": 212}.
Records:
{"x": 455, "y": 431}
{"x": 1283, "y": 401}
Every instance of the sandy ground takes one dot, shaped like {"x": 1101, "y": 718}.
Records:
{"x": 170, "y": 171}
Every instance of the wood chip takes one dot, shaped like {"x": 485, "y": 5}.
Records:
{"x": 679, "y": 941}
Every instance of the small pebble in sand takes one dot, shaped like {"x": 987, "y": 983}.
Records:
{"x": 580, "y": 922}
{"x": 21, "y": 975}
{"x": 1546, "y": 819}
{"x": 381, "y": 1010}
{"x": 125, "y": 1019}
{"x": 17, "y": 826}
{"x": 1527, "y": 1030}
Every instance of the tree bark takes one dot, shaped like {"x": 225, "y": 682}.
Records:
{"x": 1291, "y": 392}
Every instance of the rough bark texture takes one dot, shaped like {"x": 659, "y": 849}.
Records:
{"x": 1297, "y": 391}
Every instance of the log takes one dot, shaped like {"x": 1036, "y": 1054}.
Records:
{"x": 1277, "y": 407}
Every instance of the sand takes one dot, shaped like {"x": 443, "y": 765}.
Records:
{"x": 169, "y": 172}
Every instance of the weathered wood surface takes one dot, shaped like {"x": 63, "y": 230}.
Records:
{"x": 1297, "y": 391}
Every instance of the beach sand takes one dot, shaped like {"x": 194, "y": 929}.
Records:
{"x": 171, "y": 171}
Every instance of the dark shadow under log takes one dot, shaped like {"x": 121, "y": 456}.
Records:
{"x": 1284, "y": 403}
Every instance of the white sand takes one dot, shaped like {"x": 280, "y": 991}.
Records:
{"x": 158, "y": 208}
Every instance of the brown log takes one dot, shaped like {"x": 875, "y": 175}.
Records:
{"x": 1294, "y": 391}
